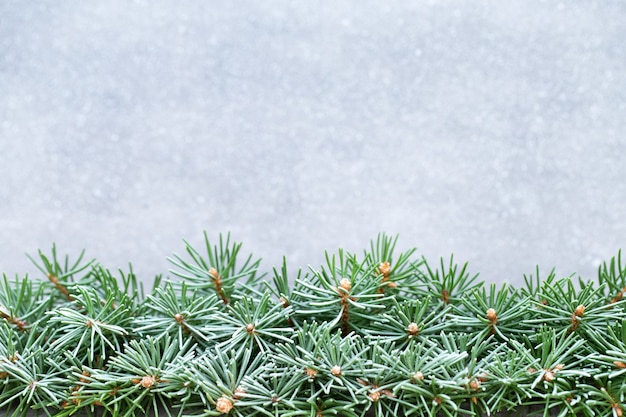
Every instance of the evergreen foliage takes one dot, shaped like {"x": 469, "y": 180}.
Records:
{"x": 379, "y": 334}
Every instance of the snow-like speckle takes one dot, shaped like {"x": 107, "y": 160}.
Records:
{"x": 493, "y": 130}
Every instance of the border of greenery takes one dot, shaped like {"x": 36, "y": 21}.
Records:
{"x": 382, "y": 333}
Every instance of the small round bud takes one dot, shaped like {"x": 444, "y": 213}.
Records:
{"x": 559, "y": 367}
{"x": 418, "y": 376}
{"x": 250, "y": 328}
{"x": 413, "y": 329}
{"x": 345, "y": 284}
{"x": 179, "y": 317}
{"x": 239, "y": 392}
{"x": 474, "y": 384}
{"x": 335, "y": 370}
{"x": 213, "y": 273}
{"x": 224, "y": 405}
{"x": 148, "y": 381}
{"x": 492, "y": 316}
{"x": 548, "y": 375}
{"x": 580, "y": 310}
{"x": 374, "y": 396}
{"x": 310, "y": 372}
{"x": 384, "y": 269}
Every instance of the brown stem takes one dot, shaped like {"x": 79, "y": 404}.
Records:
{"x": 345, "y": 317}
{"x": 180, "y": 319}
{"x": 384, "y": 269}
{"x": 576, "y": 316}
{"x": 20, "y": 324}
{"x": 217, "y": 283}
{"x": 344, "y": 296}
{"x": 493, "y": 319}
{"x": 619, "y": 296}
{"x": 57, "y": 284}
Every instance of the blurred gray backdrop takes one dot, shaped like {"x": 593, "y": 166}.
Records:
{"x": 492, "y": 130}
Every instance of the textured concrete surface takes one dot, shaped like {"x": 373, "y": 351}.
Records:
{"x": 491, "y": 130}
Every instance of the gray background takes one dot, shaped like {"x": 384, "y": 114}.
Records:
{"x": 492, "y": 130}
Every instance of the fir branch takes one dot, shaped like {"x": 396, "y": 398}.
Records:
{"x": 342, "y": 292}
{"x": 22, "y": 302}
{"x": 217, "y": 271}
{"x": 395, "y": 275}
{"x": 499, "y": 312}
{"x": 61, "y": 273}
{"x": 448, "y": 283}
{"x": 179, "y": 314}
{"x": 384, "y": 335}
{"x": 251, "y": 324}
{"x": 408, "y": 320}
{"x": 91, "y": 327}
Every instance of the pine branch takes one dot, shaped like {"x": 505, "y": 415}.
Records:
{"x": 382, "y": 335}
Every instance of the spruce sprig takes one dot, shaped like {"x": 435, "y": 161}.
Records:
{"x": 342, "y": 292}
{"x": 448, "y": 283}
{"x": 382, "y": 334}
{"x": 23, "y": 302}
{"x": 216, "y": 271}
{"x": 179, "y": 313}
{"x": 90, "y": 327}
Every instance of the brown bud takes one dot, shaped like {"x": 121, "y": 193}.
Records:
{"x": 335, "y": 370}
{"x": 224, "y": 405}
{"x": 148, "y": 381}
{"x": 412, "y": 329}
{"x": 250, "y": 328}
{"x": 345, "y": 284}
{"x": 417, "y": 376}
{"x": 580, "y": 310}
{"x": 239, "y": 392}
{"x": 492, "y": 316}
{"x": 384, "y": 269}
{"x": 548, "y": 375}
{"x": 388, "y": 393}
{"x": 620, "y": 364}
{"x": 310, "y": 372}
{"x": 374, "y": 395}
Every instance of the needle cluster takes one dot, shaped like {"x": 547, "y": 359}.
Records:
{"x": 380, "y": 333}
